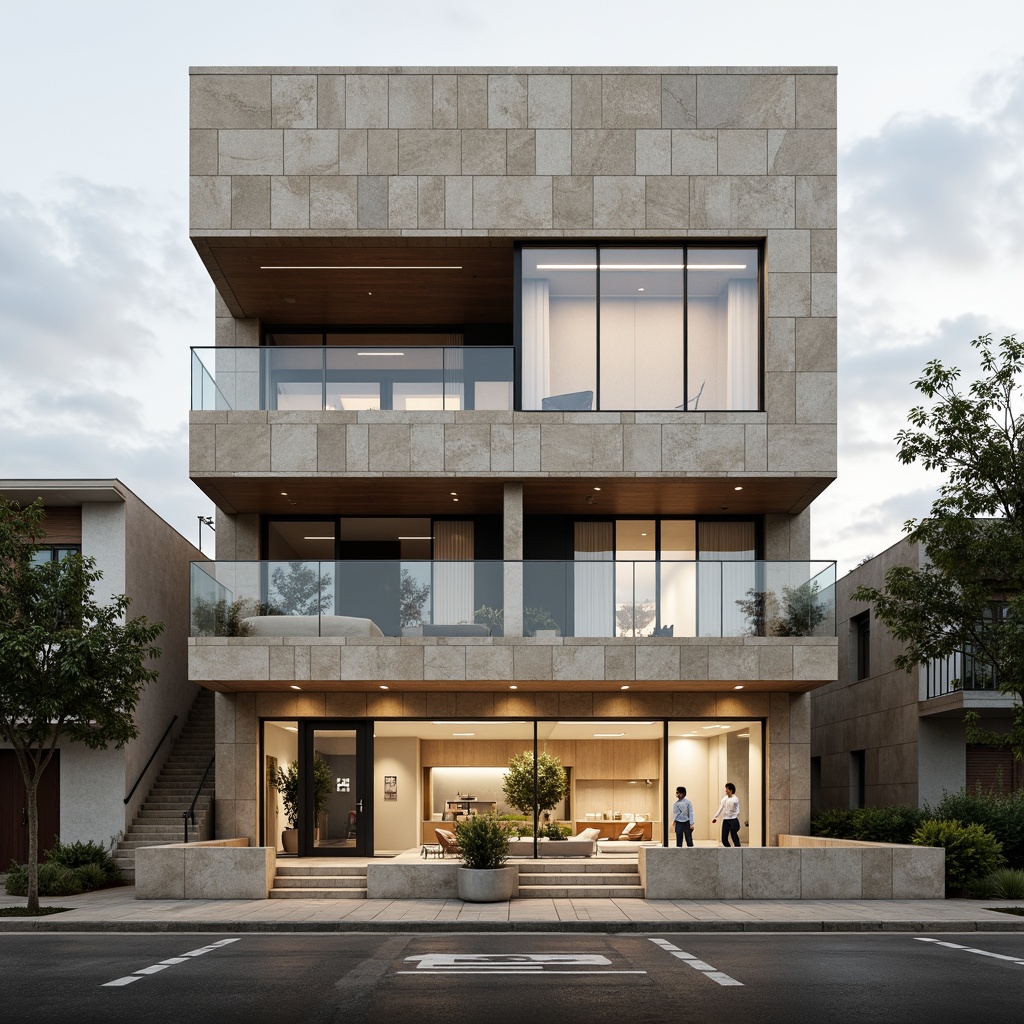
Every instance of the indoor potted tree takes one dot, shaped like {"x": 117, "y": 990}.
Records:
{"x": 287, "y": 783}
{"x": 484, "y": 877}
{"x": 517, "y": 784}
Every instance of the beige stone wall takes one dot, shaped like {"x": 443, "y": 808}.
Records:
{"x": 507, "y": 444}
{"x": 238, "y": 715}
{"x": 879, "y": 714}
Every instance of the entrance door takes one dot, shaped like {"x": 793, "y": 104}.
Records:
{"x": 14, "y": 808}
{"x": 335, "y": 786}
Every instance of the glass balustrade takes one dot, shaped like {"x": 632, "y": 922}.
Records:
{"x": 559, "y": 598}
{"x": 345, "y": 379}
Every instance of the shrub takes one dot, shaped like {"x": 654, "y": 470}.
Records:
{"x": 1003, "y": 816}
{"x": 1006, "y": 884}
{"x": 971, "y": 852}
{"x": 553, "y": 831}
{"x": 483, "y": 841}
{"x": 868, "y": 824}
{"x": 90, "y": 876}
{"x": 54, "y": 880}
{"x": 80, "y": 855}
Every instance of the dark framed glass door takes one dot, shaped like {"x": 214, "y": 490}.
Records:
{"x": 335, "y": 786}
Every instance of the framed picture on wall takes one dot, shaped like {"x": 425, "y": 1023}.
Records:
{"x": 390, "y": 787}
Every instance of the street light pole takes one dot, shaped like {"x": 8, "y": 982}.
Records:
{"x": 204, "y": 521}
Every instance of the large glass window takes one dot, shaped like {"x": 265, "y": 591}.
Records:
{"x": 655, "y": 328}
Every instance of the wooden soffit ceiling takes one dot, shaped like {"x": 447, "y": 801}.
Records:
{"x": 364, "y": 282}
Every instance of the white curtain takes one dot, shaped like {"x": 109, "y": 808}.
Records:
{"x": 536, "y": 342}
{"x": 593, "y": 580}
{"x": 726, "y": 576}
{"x": 742, "y": 327}
{"x": 453, "y": 584}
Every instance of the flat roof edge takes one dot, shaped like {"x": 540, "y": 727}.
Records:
{"x": 493, "y": 70}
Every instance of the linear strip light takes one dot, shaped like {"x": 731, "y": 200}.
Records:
{"x": 608, "y": 735}
{"x": 356, "y": 268}
{"x": 380, "y": 353}
{"x": 415, "y": 538}
{"x": 319, "y": 538}
{"x": 642, "y": 266}
{"x": 603, "y": 722}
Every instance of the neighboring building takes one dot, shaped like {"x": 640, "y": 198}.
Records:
{"x": 883, "y": 736}
{"x": 84, "y": 794}
{"x": 524, "y": 383}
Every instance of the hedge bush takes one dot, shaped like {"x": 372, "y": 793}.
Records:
{"x": 80, "y": 855}
{"x": 971, "y": 852}
{"x": 1003, "y": 816}
{"x": 54, "y": 880}
{"x": 868, "y": 824}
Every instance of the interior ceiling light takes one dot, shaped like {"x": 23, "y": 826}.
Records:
{"x": 453, "y": 493}
{"x": 743, "y": 735}
{"x": 380, "y": 353}
{"x": 739, "y": 488}
{"x": 625, "y": 686}
{"x": 325, "y": 538}
{"x": 608, "y": 735}
{"x": 415, "y": 538}
{"x": 513, "y": 687}
{"x": 740, "y": 687}
{"x": 614, "y": 266}
{"x": 290, "y": 728}
{"x": 355, "y": 268}
{"x": 597, "y": 488}
{"x": 294, "y": 687}
{"x": 592, "y": 722}
{"x": 284, "y": 494}
{"x": 463, "y": 733}
{"x": 382, "y": 686}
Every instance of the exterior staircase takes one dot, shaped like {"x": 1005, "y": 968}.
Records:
{"x": 298, "y": 881}
{"x": 580, "y": 880}
{"x": 159, "y": 820}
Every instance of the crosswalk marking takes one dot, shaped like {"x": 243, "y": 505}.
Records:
{"x": 164, "y": 964}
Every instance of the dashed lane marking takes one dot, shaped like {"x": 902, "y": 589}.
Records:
{"x": 971, "y": 949}
{"x": 720, "y": 977}
{"x": 164, "y": 964}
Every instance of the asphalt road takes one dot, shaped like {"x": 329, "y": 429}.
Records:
{"x": 499, "y": 978}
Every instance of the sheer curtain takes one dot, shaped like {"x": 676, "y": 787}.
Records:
{"x": 536, "y": 342}
{"x": 593, "y": 580}
{"x": 453, "y": 584}
{"x": 742, "y": 330}
{"x": 726, "y": 577}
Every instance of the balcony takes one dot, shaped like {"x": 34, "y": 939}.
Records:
{"x": 353, "y": 379}
{"x": 636, "y": 600}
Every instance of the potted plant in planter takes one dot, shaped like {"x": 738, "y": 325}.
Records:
{"x": 287, "y": 783}
{"x": 485, "y": 877}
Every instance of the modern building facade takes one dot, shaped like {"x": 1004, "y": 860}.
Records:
{"x": 96, "y": 794}
{"x": 523, "y": 384}
{"x": 882, "y": 736}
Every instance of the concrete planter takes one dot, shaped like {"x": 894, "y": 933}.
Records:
{"x": 493, "y": 885}
{"x": 290, "y": 840}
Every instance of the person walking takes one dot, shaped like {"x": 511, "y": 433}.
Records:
{"x": 729, "y": 812}
{"x": 682, "y": 817}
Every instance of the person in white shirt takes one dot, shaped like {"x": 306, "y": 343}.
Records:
{"x": 729, "y": 812}
{"x": 682, "y": 817}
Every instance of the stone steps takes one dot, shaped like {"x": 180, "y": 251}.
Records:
{"x": 579, "y": 892}
{"x": 317, "y": 882}
{"x": 580, "y": 880}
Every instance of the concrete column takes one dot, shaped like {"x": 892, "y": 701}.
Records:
{"x": 513, "y": 552}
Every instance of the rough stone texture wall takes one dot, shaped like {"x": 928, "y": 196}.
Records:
{"x": 238, "y": 717}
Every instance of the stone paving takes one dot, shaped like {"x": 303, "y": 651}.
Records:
{"x": 117, "y": 910}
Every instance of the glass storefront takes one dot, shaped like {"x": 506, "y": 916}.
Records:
{"x": 383, "y": 788}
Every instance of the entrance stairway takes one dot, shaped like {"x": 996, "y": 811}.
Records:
{"x": 298, "y": 881}
{"x": 579, "y": 880}
{"x": 159, "y": 820}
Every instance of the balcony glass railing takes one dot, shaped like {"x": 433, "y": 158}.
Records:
{"x": 467, "y": 599}
{"x": 407, "y": 379}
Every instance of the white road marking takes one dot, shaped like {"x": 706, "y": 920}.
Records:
{"x": 720, "y": 977}
{"x": 532, "y": 964}
{"x": 164, "y": 964}
{"x": 971, "y": 949}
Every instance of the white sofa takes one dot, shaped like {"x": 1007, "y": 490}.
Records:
{"x": 311, "y": 625}
{"x": 575, "y": 847}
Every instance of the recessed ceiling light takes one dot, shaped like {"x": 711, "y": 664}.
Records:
{"x": 709, "y": 726}
{"x": 597, "y": 488}
{"x": 455, "y": 499}
{"x": 608, "y": 735}
{"x": 625, "y": 686}
{"x": 284, "y": 494}
{"x": 738, "y": 687}
{"x": 642, "y": 535}
{"x": 739, "y": 488}
{"x": 743, "y": 735}
{"x": 513, "y": 687}
{"x": 453, "y": 493}
{"x": 290, "y": 728}
{"x": 415, "y": 538}
{"x": 463, "y": 733}
{"x": 354, "y": 268}
{"x": 639, "y": 289}
{"x": 294, "y": 687}
{"x": 325, "y": 538}
{"x": 383, "y": 687}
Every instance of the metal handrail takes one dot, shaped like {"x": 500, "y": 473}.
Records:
{"x": 191, "y": 812}
{"x": 150, "y": 761}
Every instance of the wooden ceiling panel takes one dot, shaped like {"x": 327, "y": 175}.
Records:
{"x": 324, "y": 292}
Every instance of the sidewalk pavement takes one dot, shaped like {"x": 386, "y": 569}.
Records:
{"x": 117, "y": 910}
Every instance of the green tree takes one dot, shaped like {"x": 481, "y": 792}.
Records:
{"x": 412, "y": 596}
{"x": 70, "y": 668}
{"x": 300, "y": 590}
{"x": 517, "y": 784}
{"x": 968, "y": 595}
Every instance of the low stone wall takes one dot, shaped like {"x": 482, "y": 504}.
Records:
{"x": 221, "y": 869}
{"x": 793, "y": 871}
{"x": 399, "y": 880}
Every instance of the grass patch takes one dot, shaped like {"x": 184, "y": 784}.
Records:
{"x": 25, "y": 912}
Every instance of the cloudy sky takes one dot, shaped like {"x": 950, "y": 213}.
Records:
{"x": 101, "y": 294}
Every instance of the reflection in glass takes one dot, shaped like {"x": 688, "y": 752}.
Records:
{"x": 722, "y": 329}
{"x": 559, "y": 328}
{"x": 281, "y": 799}
{"x": 642, "y": 328}
{"x": 593, "y": 580}
{"x": 336, "y": 800}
